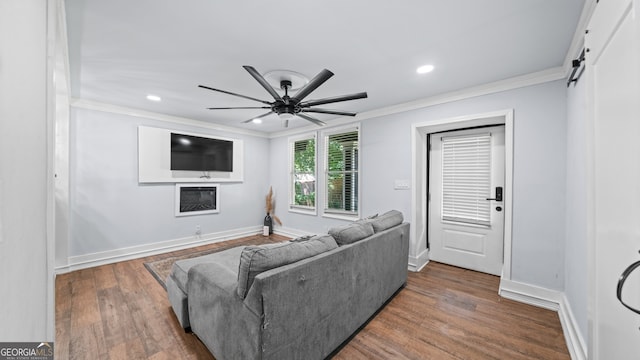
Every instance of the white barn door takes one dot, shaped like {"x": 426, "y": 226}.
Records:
{"x": 613, "y": 71}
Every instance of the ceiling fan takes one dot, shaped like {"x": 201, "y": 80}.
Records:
{"x": 287, "y": 106}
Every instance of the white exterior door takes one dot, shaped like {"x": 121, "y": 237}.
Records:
{"x": 466, "y": 206}
{"x": 613, "y": 71}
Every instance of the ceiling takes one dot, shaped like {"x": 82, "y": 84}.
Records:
{"x": 122, "y": 50}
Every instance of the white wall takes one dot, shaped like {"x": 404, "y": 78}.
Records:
{"x": 539, "y": 173}
{"x": 576, "y": 257}
{"x": 25, "y": 156}
{"x": 110, "y": 210}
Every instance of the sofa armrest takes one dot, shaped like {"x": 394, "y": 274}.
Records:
{"x": 219, "y": 317}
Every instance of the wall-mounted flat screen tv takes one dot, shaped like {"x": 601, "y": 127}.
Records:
{"x": 196, "y": 153}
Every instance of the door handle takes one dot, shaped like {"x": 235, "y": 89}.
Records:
{"x": 621, "y": 281}
{"x": 498, "y": 194}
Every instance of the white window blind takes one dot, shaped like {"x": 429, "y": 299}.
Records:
{"x": 466, "y": 179}
{"x": 342, "y": 172}
{"x": 303, "y": 173}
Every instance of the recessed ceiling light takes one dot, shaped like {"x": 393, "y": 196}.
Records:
{"x": 424, "y": 69}
{"x": 257, "y": 121}
{"x": 154, "y": 98}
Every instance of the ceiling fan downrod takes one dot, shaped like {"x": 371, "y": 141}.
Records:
{"x": 287, "y": 107}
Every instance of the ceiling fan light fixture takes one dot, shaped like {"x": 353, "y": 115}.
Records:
{"x": 285, "y": 116}
{"x": 425, "y": 69}
{"x": 155, "y": 98}
{"x": 257, "y": 121}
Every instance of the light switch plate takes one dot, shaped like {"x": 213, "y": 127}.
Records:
{"x": 401, "y": 185}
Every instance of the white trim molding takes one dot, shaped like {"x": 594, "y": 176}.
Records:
{"x": 530, "y": 294}
{"x": 418, "y": 262}
{"x": 419, "y": 133}
{"x": 540, "y": 77}
{"x": 517, "y": 82}
{"x": 114, "y": 109}
{"x": 575, "y": 341}
{"x": 292, "y": 233}
{"x": 552, "y": 300}
{"x": 134, "y": 252}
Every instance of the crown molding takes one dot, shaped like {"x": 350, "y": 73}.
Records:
{"x": 531, "y": 79}
{"x": 535, "y": 78}
{"x": 121, "y": 110}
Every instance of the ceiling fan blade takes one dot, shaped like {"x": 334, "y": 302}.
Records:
{"x": 247, "y": 107}
{"x": 257, "y": 117}
{"x": 234, "y": 94}
{"x": 334, "y": 99}
{"x": 333, "y": 112}
{"x": 256, "y": 75}
{"x": 313, "y": 120}
{"x": 318, "y": 80}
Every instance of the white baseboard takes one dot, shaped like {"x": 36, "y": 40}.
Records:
{"x": 134, "y": 252}
{"x": 575, "y": 341}
{"x": 552, "y": 300}
{"x": 293, "y": 233}
{"x": 530, "y": 294}
{"x": 416, "y": 263}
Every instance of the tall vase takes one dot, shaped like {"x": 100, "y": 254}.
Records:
{"x": 267, "y": 228}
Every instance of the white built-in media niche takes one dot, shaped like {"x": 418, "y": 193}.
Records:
{"x": 154, "y": 159}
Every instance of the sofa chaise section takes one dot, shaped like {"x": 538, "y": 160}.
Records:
{"x": 177, "y": 281}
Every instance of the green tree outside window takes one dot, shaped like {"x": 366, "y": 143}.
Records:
{"x": 304, "y": 173}
{"x": 342, "y": 172}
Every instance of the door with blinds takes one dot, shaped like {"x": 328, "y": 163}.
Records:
{"x": 466, "y": 206}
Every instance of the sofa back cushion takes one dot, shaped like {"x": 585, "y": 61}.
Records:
{"x": 350, "y": 233}
{"x": 260, "y": 258}
{"x": 386, "y": 221}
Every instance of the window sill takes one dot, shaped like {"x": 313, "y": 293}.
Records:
{"x": 340, "y": 216}
{"x": 303, "y": 210}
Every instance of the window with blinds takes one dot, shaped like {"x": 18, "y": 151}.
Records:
{"x": 303, "y": 173}
{"x": 342, "y": 172}
{"x": 466, "y": 179}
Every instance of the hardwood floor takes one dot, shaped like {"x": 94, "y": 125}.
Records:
{"x": 119, "y": 311}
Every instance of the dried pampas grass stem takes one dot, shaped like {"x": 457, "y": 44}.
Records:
{"x": 270, "y": 206}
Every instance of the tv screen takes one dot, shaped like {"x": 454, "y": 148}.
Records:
{"x": 200, "y": 154}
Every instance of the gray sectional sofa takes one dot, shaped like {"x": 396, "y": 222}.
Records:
{"x": 299, "y": 299}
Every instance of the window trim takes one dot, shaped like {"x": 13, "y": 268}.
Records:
{"x": 301, "y": 209}
{"x": 337, "y": 214}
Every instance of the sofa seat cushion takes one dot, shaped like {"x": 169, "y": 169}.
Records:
{"x": 257, "y": 259}
{"x": 228, "y": 258}
{"x": 347, "y": 234}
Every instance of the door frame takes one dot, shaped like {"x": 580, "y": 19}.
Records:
{"x": 418, "y": 252}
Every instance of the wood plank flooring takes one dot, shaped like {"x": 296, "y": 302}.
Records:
{"x": 119, "y": 311}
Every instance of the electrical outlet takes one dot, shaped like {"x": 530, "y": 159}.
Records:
{"x": 198, "y": 230}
